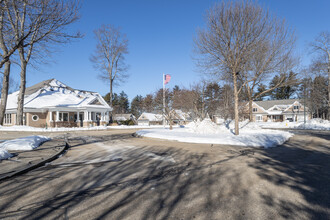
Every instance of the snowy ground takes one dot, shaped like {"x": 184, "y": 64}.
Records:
{"x": 208, "y": 132}
{"x": 138, "y": 126}
{"x": 34, "y": 129}
{"x": 313, "y": 124}
{"x": 25, "y": 143}
{"x": 316, "y": 124}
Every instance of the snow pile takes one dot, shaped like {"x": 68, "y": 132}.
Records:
{"x": 207, "y": 132}
{"x": 25, "y": 143}
{"x": 315, "y": 123}
{"x": 204, "y": 127}
{"x": 4, "y": 154}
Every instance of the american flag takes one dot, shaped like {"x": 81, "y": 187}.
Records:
{"x": 167, "y": 78}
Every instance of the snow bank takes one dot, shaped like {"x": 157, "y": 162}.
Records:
{"x": 4, "y": 154}
{"x": 313, "y": 124}
{"x": 25, "y": 143}
{"x": 207, "y": 132}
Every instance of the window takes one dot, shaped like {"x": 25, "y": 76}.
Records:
{"x": 254, "y": 109}
{"x": 296, "y": 107}
{"x": 7, "y": 119}
{"x": 35, "y": 117}
{"x": 64, "y": 116}
{"x": 258, "y": 117}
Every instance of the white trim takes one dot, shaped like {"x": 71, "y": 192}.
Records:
{"x": 35, "y": 119}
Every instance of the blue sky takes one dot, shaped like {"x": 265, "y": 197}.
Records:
{"x": 160, "y": 34}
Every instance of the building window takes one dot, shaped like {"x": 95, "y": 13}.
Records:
{"x": 7, "y": 119}
{"x": 35, "y": 117}
{"x": 64, "y": 116}
{"x": 258, "y": 117}
{"x": 296, "y": 107}
{"x": 254, "y": 109}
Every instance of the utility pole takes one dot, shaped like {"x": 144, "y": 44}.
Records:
{"x": 164, "y": 100}
{"x": 304, "y": 105}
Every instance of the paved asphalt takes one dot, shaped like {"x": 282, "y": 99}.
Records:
{"x": 113, "y": 175}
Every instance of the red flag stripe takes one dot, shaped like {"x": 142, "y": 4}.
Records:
{"x": 167, "y": 78}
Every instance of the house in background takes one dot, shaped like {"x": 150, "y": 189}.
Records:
{"x": 278, "y": 110}
{"x": 180, "y": 117}
{"x": 124, "y": 117}
{"x": 147, "y": 119}
{"x": 54, "y": 104}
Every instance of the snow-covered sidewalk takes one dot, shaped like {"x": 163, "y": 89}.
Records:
{"x": 25, "y": 143}
{"x": 210, "y": 133}
{"x": 35, "y": 129}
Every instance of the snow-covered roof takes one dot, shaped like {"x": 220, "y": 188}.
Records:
{"x": 279, "y": 103}
{"x": 53, "y": 93}
{"x": 123, "y": 117}
{"x": 180, "y": 115}
{"x": 274, "y": 112}
{"x": 151, "y": 117}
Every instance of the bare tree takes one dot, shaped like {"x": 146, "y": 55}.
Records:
{"x": 109, "y": 56}
{"x": 45, "y": 20}
{"x": 321, "y": 64}
{"x": 233, "y": 33}
{"x": 273, "y": 56}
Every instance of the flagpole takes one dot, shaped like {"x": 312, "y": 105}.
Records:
{"x": 164, "y": 100}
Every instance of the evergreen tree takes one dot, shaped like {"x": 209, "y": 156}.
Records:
{"x": 137, "y": 106}
{"x": 123, "y": 104}
{"x": 288, "y": 89}
{"x": 261, "y": 89}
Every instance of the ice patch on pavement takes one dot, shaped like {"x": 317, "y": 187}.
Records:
{"x": 4, "y": 154}
{"x": 24, "y": 143}
{"x": 160, "y": 157}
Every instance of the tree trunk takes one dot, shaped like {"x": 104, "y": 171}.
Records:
{"x": 110, "y": 101}
{"x": 236, "y": 104}
{"x": 4, "y": 91}
{"x": 20, "y": 99}
{"x": 250, "y": 110}
{"x": 329, "y": 91}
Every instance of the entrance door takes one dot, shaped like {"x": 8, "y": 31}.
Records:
{"x": 81, "y": 117}
{"x": 98, "y": 117}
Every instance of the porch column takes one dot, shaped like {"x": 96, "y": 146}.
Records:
{"x": 89, "y": 116}
{"x": 85, "y": 115}
{"x": 102, "y": 116}
{"x": 51, "y": 116}
{"x": 57, "y": 116}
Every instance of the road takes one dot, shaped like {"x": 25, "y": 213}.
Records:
{"x": 114, "y": 175}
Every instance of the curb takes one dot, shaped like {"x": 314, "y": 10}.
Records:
{"x": 40, "y": 164}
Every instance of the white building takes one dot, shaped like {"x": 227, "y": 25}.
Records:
{"x": 54, "y": 104}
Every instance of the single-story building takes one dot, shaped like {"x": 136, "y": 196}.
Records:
{"x": 278, "y": 110}
{"x": 54, "y": 104}
{"x": 147, "y": 119}
{"x": 124, "y": 117}
{"x": 180, "y": 117}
